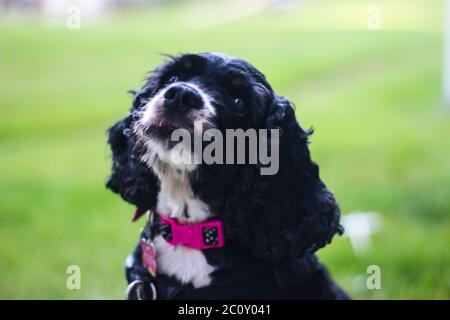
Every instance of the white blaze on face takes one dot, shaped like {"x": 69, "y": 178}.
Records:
{"x": 153, "y": 114}
{"x": 157, "y": 102}
{"x": 150, "y": 109}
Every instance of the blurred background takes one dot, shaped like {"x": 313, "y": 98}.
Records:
{"x": 367, "y": 75}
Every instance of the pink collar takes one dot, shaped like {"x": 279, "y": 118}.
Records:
{"x": 202, "y": 235}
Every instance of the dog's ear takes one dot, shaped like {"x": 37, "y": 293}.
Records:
{"x": 291, "y": 212}
{"x": 130, "y": 178}
{"x": 309, "y": 205}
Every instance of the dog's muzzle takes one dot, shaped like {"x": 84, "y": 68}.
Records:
{"x": 182, "y": 98}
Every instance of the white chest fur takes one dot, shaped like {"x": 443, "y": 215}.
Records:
{"x": 176, "y": 200}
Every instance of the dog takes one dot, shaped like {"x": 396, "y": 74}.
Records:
{"x": 263, "y": 229}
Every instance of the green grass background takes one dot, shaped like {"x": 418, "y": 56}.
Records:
{"x": 374, "y": 98}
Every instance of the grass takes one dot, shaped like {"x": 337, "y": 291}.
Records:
{"x": 373, "y": 97}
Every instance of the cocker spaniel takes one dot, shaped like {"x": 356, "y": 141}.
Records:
{"x": 221, "y": 229}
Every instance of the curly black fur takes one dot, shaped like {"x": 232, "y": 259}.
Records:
{"x": 268, "y": 218}
{"x": 130, "y": 177}
{"x": 287, "y": 214}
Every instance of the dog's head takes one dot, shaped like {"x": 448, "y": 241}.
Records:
{"x": 198, "y": 92}
{"x": 287, "y": 213}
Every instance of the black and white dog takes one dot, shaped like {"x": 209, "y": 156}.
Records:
{"x": 269, "y": 225}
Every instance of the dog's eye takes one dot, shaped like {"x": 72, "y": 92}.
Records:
{"x": 173, "y": 79}
{"x": 238, "y": 103}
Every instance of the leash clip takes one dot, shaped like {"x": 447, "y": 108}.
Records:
{"x": 138, "y": 290}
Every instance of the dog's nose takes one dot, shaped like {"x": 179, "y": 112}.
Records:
{"x": 182, "y": 98}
